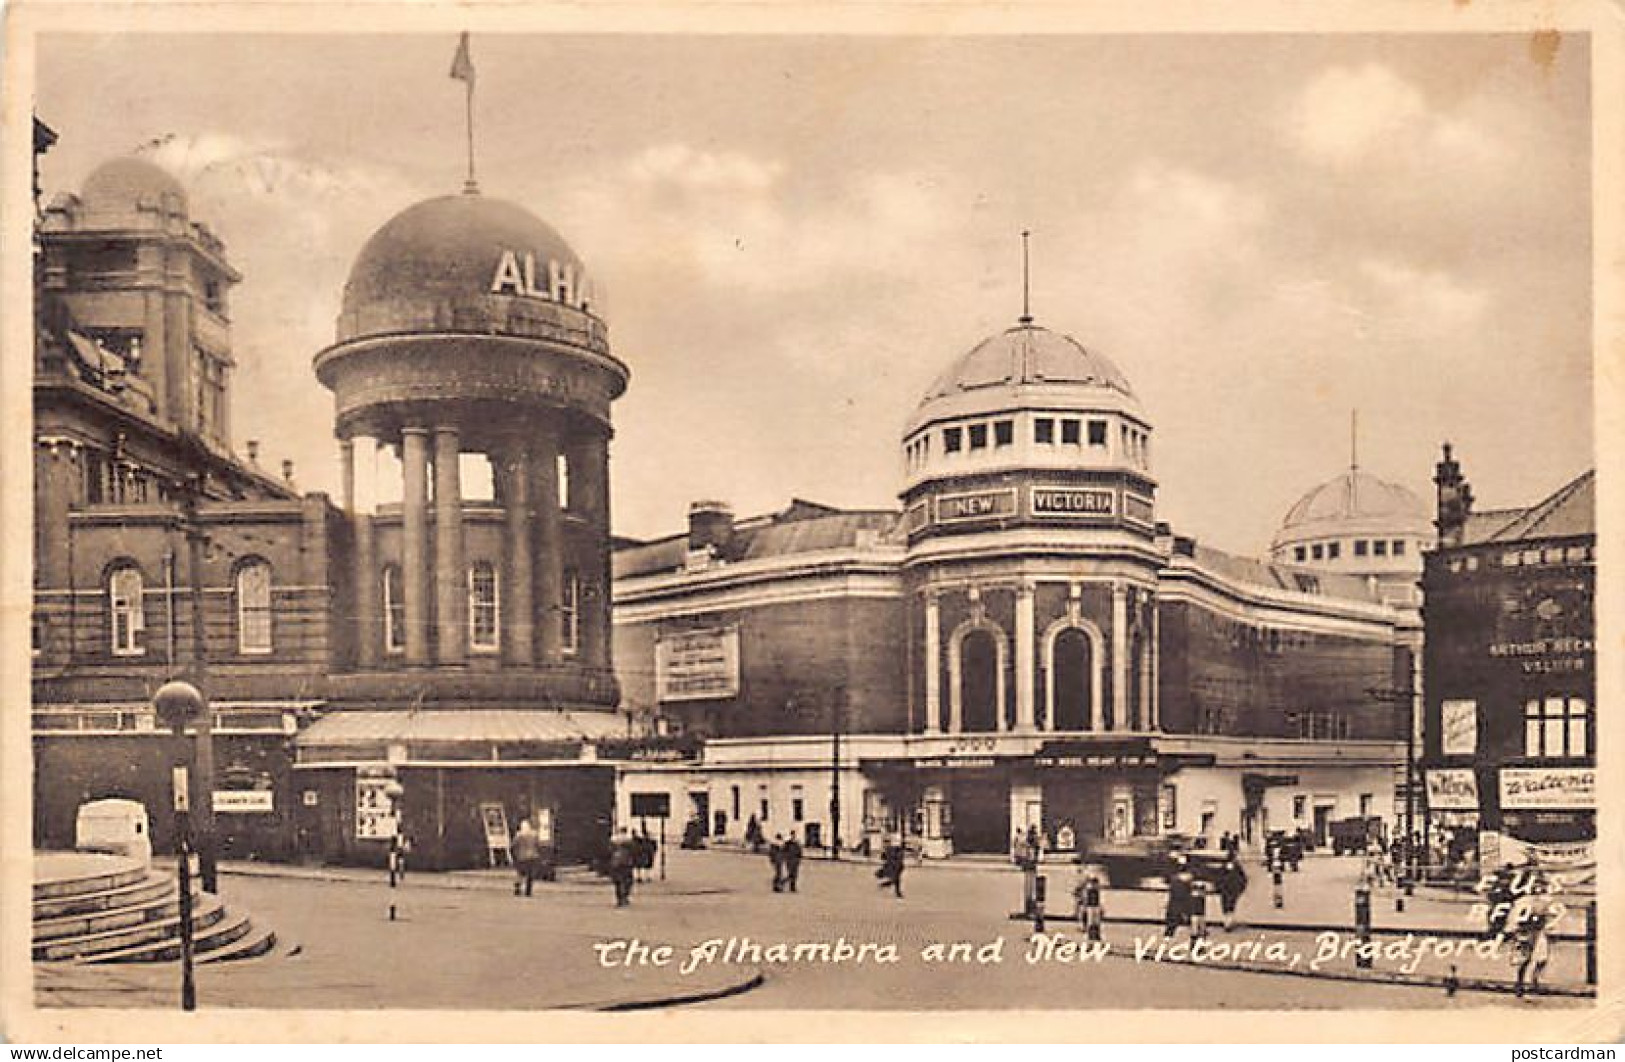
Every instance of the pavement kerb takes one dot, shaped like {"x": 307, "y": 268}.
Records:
{"x": 1451, "y": 933}
{"x": 755, "y": 980}
{"x": 436, "y": 879}
{"x": 1468, "y": 984}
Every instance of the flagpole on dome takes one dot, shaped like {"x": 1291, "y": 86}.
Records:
{"x": 462, "y": 69}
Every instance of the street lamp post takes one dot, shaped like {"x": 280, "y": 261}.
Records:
{"x": 838, "y": 713}
{"x": 1407, "y": 698}
{"x": 178, "y": 703}
{"x": 190, "y": 492}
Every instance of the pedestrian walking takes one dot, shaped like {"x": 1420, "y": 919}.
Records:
{"x": 753, "y": 834}
{"x": 1179, "y": 897}
{"x": 622, "y": 861}
{"x": 1232, "y": 883}
{"x": 1198, "y": 908}
{"x": 891, "y": 867}
{"x": 775, "y": 855}
{"x": 1530, "y": 920}
{"x": 792, "y": 861}
{"x": 1090, "y": 914}
{"x": 526, "y": 850}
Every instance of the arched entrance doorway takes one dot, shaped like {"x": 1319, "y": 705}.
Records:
{"x": 979, "y": 681}
{"x": 1072, "y": 673}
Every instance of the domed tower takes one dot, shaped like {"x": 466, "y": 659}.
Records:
{"x": 468, "y": 328}
{"x": 1357, "y": 524}
{"x": 147, "y": 286}
{"x": 1030, "y": 521}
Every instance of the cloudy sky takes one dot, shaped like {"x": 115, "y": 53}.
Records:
{"x": 794, "y": 235}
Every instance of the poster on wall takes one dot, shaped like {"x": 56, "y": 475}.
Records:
{"x": 1452, "y": 789}
{"x": 697, "y": 665}
{"x": 1458, "y": 727}
{"x": 1534, "y": 788}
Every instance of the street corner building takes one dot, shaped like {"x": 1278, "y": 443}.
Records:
{"x": 1510, "y": 743}
{"x": 1022, "y": 643}
{"x": 446, "y": 622}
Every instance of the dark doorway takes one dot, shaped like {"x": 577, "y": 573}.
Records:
{"x": 1072, "y": 673}
{"x": 981, "y": 814}
{"x": 979, "y": 682}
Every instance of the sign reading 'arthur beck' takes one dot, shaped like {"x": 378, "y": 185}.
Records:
{"x": 1548, "y": 787}
{"x": 697, "y": 665}
{"x": 563, "y": 283}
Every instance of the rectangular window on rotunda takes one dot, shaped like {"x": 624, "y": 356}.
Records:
{"x": 1359, "y": 547}
{"x": 1004, "y": 432}
{"x": 1097, "y": 433}
{"x": 951, "y": 438}
{"x": 978, "y": 436}
{"x": 1399, "y": 547}
{"x": 1333, "y": 549}
{"x": 1069, "y": 432}
{"x": 1044, "y": 431}
{"x": 1379, "y": 548}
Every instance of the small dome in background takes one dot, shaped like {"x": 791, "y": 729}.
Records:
{"x": 124, "y": 183}
{"x": 1354, "y": 502}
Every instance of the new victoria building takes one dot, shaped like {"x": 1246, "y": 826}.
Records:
{"x": 1021, "y": 643}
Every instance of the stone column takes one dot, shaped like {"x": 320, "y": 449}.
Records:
{"x": 415, "y": 542}
{"x": 450, "y": 566}
{"x": 1154, "y": 722}
{"x": 368, "y": 594}
{"x": 518, "y": 622}
{"x": 1119, "y": 656}
{"x": 550, "y": 547}
{"x": 347, "y": 473}
{"x": 589, "y": 489}
{"x": 1024, "y": 657}
{"x": 933, "y": 664}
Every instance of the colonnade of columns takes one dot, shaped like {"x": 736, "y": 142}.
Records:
{"x": 1026, "y": 669}
{"x": 532, "y": 603}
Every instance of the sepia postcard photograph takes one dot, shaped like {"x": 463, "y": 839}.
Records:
{"x": 810, "y": 523}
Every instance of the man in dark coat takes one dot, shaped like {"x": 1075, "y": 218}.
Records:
{"x": 1179, "y": 897}
{"x": 891, "y": 867}
{"x": 792, "y": 862}
{"x": 1232, "y": 883}
{"x": 622, "y": 862}
{"x": 775, "y": 855}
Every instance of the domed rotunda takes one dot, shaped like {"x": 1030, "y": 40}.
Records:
{"x": 467, "y": 328}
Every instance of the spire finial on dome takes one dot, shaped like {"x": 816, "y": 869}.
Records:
{"x": 1354, "y": 460}
{"x": 1026, "y": 280}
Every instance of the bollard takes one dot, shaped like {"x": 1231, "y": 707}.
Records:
{"x": 1039, "y": 888}
{"x": 1198, "y": 909}
{"x": 1452, "y": 982}
{"x": 1362, "y": 925}
{"x": 1275, "y": 880}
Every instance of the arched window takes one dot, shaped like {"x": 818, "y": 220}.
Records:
{"x": 483, "y": 606}
{"x": 128, "y": 619}
{"x": 394, "y": 611}
{"x": 254, "y": 607}
{"x": 569, "y": 607}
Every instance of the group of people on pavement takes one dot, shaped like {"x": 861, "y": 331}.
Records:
{"x": 1188, "y": 893}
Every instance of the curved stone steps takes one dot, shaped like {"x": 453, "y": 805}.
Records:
{"x": 81, "y": 873}
{"x": 222, "y": 932}
{"x": 208, "y": 912}
{"x": 257, "y": 943}
{"x": 152, "y": 886}
{"x": 121, "y": 917}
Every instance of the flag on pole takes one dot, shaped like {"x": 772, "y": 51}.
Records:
{"x": 462, "y": 66}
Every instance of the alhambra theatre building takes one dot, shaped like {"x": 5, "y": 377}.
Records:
{"x": 1021, "y": 643}
{"x": 444, "y": 621}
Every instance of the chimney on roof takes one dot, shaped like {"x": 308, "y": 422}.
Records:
{"x": 287, "y": 471}
{"x": 710, "y": 527}
{"x": 254, "y": 451}
{"x": 1454, "y": 500}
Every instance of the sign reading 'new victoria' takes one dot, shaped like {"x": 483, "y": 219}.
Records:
{"x": 981, "y": 505}
{"x": 1073, "y": 502}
